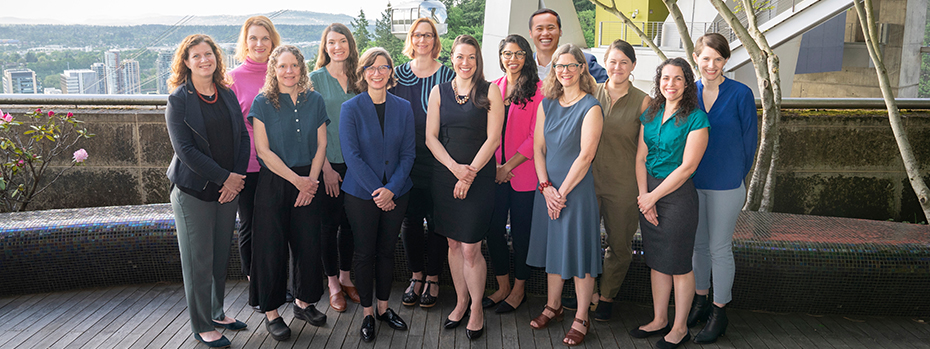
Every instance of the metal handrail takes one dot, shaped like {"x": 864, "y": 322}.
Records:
{"x": 162, "y": 100}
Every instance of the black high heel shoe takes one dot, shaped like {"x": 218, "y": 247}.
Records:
{"x": 716, "y": 326}
{"x": 450, "y": 324}
{"x": 472, "y": 335}
{"x": 700, "y": 310}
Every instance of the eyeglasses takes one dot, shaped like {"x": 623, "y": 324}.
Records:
{"x": 572, "y": 67}
{"x": 508, "y": 54}
{"x": 426, "y": 36}
{"x": 383, "y": 69}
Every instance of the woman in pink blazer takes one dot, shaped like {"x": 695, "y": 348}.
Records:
{"x": 516, "y": 175}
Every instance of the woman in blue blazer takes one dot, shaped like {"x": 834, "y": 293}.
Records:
{"x": 376, "y": 131}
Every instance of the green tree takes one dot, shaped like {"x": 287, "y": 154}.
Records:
{"x": 52, "y": 81}
{"x": 586, "y": 18}
{"x": 384, "y": 38}
{"x": 464, "y": 17}
{"x": 361, "y": 34}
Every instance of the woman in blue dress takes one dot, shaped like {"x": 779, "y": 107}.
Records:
{"x": 566, "y": 234}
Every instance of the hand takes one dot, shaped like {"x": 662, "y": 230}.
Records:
{"x": 554, "y": 200}
{"x": 503, "y": 174}
{"x": 461, "y": 189}
{"x": 306, "y": 184}
{"x": 646, "y": 201}
{"x": 303, "y": 199}
{"x": 465, "y": 173}
{"x": 227, "y": 195}
{"x": 389, "y": 206}
{"x": 554, "y": 213}
{"x": 652, "y": 216}
{"x": 331, "y": 180}
{"x": 383, "y": 197}
{"x": 234, "y": 182}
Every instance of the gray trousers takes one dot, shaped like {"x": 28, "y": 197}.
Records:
{"x": 713, "y": 244}
{"x": 204, "y": 239}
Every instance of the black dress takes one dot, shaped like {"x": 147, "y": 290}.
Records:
{"x": 463, "y": 129}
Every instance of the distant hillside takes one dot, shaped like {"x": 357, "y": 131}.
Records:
{"x": 139, "y": 36}
{"x": 287, "y": 17}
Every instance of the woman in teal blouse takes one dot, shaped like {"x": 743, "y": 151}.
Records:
{"x": 672, "y": 140}
{"x": 334, "y": 78}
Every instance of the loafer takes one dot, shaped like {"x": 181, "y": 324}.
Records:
{"x": 638, "y": 333}
{"x": 278, "y": 329}
{"x": 352, "y": 293}
{"x": 338, "y": 302}
{"x": 663, "y": 344}
{"x": 219, "y": 343}
{"x": 393, "y": 320}
{"x": 368, "y": 328}
{"x": 310, "y": 315}
{"x": 486, "y": 302}
{"x": 233, "y": 326}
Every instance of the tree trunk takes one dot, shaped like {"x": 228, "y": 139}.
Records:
{"x": 683, "y": 32}
{"x": 867, "y": 20}
{"x": 646, "y": 39}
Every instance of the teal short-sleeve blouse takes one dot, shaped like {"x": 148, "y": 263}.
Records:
{"x": 666, "y": 141}
{"x": 292, "y": 129}
{"x": 333, "y": 96}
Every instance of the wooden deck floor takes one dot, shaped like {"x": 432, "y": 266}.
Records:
{"x": 155, "y": 316}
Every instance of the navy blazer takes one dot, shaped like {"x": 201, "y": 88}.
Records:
{"x": 371, "y": 156}
{"x": 192, "y": 165}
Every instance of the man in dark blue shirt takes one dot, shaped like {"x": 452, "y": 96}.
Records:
{"x": 546, "y": 29}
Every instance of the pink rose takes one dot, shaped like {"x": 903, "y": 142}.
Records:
{"x": 38, "y": 110}
{"x": 6, "y": 118}
{"x": 70, "y": 115}
{"x": 20, "y": 163}
{"x": 80, "y": 155}
{"x": 50, "y": 113}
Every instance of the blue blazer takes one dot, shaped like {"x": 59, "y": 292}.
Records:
{"x": 371, "y": 155}
{"x": 192, "y": 165}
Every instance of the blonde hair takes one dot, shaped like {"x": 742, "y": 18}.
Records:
{"x": 552, "y": 88}
{"x": 179, "y": 70}
{"x": 368, "y": 59}
{"x": 270, "y": 89}
{"x": 408, "y": 43}
{"x": 242, "y": 45}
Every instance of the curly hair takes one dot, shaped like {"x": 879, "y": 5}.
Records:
{"x": 479, "y": 86}
{"x": 351, "y": 63}
{"x": 689, "y": 98}
{"x": 242, "y": 45}
{"x": 368, "y": 59}
{"x": 180, "y": 73}
{"x": 552, "y": 88}
{"x": 526, "y": 83}
{"x": 270, "y": 89}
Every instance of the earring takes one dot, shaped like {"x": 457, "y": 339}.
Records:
{"x": 632, "y": 78}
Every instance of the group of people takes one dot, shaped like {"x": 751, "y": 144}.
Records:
{"x": 446, "y": 159}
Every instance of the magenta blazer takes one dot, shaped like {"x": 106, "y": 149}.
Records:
{"x": 518, "y": 138}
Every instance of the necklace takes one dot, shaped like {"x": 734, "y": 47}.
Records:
{"x": 204, "y": 99}
{"x": 455, "y": 93}
{"x": 573, "y": 100}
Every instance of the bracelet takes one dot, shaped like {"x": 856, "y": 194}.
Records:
{"x": 544, "y": 185}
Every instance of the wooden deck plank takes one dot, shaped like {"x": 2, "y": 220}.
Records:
{"x": 109, "y": 323}
{"x": 144, "y": 325}
{"x": 108, "y": 309}
{"x": 56, "y": 330}
{"x": 125, "y": 323}
{"x": 55, "y": 319}
{"x": 748, "y": 329}
{"x": 21, "y": 328}
{"x": 839, "y": 333}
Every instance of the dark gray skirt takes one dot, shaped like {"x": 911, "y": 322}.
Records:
{"x": 669, "y": 246}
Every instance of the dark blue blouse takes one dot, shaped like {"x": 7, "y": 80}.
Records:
{"x": 292, "y": 129}
{"x": 731, "y": 146}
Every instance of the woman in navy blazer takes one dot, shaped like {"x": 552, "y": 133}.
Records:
{"x": 376, "y": 131}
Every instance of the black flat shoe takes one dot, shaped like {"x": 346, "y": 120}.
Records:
{"x": 393, "y": 320}
{"x": 450, "y": 324}
{"x": 505, "y": 307}
{"x": 310, "y": 314}
{"x": 427, "y": 300}
{"x": 486, "y": 302}
{"x": 472, "y": 335}
{"x": 368, "y": 328}
{"x": 638, "y": 333}
{"x": 219, "y": 343}
{"x": 663, "y": 344}
{"x": 234, "y": 326}
{"x": 278, "y": 329}
{"x": 603, "y": 311}
{"x": 700, "y": 310}
{"x": 411, "y": 298}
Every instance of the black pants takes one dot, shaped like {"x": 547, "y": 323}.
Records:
{"x": 246, "y": 205}
{"x": 375, "y": 238}
{"x": 336, "y": 235}
{"x": 277, "y": 227}
{"x": 520, "y": 207}
{"x": 420, "y": 243}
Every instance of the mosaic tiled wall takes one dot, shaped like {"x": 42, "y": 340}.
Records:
{"x": 785, "y": 263}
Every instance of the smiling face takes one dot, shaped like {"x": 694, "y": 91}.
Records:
{"x": 201, "y": 60}
{"x": 672, "y": 83}
{"x": 545, "y": 32}
{"x": 376, "y": 76}
{"x": 287, "y": 71}
{"x": 710, "y": 63}
{"x": 337, "y": 46}
{"x": 464, "y": 60}
{"x": 619, "y": 66}
{"x": 568, "y": 70}
{"x": 259, "y": 43}
{"x": 423, "y": 39}
{"x": 514, "y": 64}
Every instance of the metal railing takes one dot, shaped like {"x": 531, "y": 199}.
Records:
{"x": 41, "y": 100}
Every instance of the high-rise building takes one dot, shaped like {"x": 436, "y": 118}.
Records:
{"x": 130, "y": 77}
{"x": 163, "y": 70}
{"x": 112, "y": 69}
{"x": 101, "y": 83}
{"x": 80, "y": 81}
{"x": 19, "y": 80}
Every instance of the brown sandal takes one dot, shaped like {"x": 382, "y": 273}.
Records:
{"x": 576, "y": 336}
{"x": 542, "y": 320}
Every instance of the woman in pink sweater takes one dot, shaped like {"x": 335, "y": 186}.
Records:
{"x": 257, "y": 39}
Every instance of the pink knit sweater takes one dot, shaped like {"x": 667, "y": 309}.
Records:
{"x": 248, "y": 79}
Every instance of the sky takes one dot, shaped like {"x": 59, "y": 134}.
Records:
{"x": 85, "y": 11}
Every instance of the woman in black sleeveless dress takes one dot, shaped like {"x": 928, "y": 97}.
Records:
{"x": 463, "y": 128}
